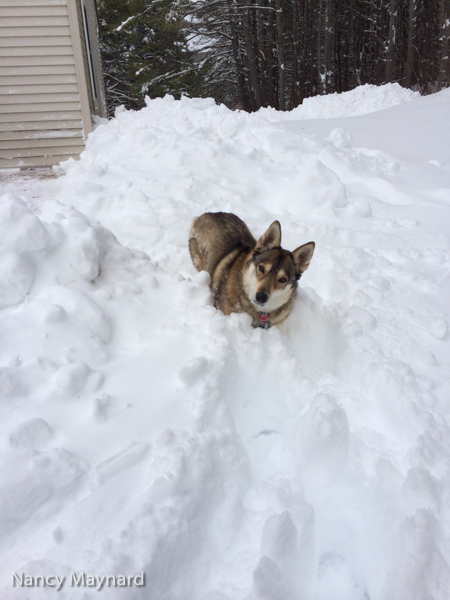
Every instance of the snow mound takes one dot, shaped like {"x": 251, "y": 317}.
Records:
{"x": 144, "y": 431}
{"x": 362, "y": 100}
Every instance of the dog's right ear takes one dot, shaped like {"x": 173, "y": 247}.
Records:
{"x": 270, "y": 239}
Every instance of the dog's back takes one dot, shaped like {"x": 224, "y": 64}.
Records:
{"x": 214, "y": 235}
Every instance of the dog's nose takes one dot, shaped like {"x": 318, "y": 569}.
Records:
{"x": 262, "y": 297}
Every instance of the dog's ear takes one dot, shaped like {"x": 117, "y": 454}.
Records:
{"x": 270, "y": 239}
{"x": 302, "y": 257}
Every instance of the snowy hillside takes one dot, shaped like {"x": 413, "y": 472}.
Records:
{"x": 143, "y": 431}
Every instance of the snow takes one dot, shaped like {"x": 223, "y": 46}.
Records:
{"x": 144, "y": 431}
{"x": 362, "y": 100}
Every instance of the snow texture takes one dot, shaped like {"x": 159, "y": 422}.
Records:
{"x": 142, "y": 430}
{"x": 362, "y": 100}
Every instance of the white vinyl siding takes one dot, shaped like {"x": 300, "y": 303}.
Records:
{"x": 45, "y": 108}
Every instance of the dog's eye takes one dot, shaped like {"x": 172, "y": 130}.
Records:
{"x": 261, "y": 268}
{"x": 282, "y": 280}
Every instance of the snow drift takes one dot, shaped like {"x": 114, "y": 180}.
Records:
{"x": 362, "y": 100}
{"x": 143, "y": 431}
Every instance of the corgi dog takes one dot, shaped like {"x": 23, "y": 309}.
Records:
{"x": 256, "y": 277}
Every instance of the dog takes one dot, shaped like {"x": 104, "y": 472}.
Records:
{"x": 256, "y": 277}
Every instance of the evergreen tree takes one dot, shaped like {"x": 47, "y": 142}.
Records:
{"x": 254, "y": 53}
{"x": 145, "y": 52}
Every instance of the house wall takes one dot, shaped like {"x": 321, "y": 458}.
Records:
{"x": 45, "y": 89}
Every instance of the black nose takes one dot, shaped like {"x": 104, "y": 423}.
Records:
{"x": 262, "y": 297}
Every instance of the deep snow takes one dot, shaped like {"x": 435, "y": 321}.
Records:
{"x": 142, "y": 430}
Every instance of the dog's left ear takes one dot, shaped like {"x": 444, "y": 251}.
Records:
{"x": 302, "y": 257}
{"x": 270, "y": 239}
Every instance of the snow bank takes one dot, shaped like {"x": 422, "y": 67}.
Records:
{"x": 143, "y": 431}
{"x": 362, "y": 100}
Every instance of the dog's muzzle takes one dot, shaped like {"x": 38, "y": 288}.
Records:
{"x": 261, "y": 298}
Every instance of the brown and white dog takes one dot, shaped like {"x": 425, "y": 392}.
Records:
{"x": 256, "y": 277}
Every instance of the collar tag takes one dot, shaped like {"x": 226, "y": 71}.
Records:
{"x": 264, "y": 320}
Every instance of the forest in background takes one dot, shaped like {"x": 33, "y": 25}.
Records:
{"x": 253, "y": 53}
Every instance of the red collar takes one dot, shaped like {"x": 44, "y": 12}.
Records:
{"x": 264, "y": 320}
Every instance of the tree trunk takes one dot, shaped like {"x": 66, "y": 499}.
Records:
{"x": 327, "y": 47}
{"x": 389, "y": 70}
{"x": 319, "y": 46}
{"x": 444, "y": 62}
{"x": 261, "y": 37}
{"x": 357, "y": 46}
{"x": 245, "y": 100}
{"x": 410, "y": 51}
{"x": 251, "y": 60}
{"x": 380, "y": 53}
{"x": 295, "y": 39}
{"x": 280, "y": 53}
{"x": 306, "y": 73}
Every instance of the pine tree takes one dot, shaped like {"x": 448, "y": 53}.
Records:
{"x": 145, "y": 52}
{"x": 254, "y": 53}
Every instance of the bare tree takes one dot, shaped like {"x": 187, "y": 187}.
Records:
{"x": 444, "y": 62}
{"x": 410, "y": 52}
{"x": 389, "y": 70}
{"x": 280, "y": 53}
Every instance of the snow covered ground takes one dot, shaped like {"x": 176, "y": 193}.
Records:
{"x": 362, "y": 100}
{"x": 143, "y": 431}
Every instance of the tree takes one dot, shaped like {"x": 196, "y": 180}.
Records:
{"x": 145, "y": 52}
{"x": 389, "y": 70}
{"x": 410, "y": 52}
{"x": 444, "y": 62}
{"x": 254, "y": 53}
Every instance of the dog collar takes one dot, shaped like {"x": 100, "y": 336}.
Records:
{"x": 264, "y": 320}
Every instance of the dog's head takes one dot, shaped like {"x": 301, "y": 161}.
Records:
{"x": 272, "y": 273}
